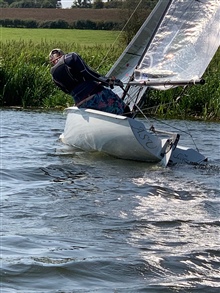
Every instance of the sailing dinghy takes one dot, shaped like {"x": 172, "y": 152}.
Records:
{"x": 173, "y": 48}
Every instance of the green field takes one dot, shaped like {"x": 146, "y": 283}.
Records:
{"x": 70, "y": 36}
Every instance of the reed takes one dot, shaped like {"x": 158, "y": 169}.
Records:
{"x": 199, "y": 102}
{"x": 25, "y": 80}
{"x": 25, "y": 71}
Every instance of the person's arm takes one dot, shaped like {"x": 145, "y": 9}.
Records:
{"x": 76, "y": 62}
{"x": 87, "y": 72}
{"x": 61, "y": 87}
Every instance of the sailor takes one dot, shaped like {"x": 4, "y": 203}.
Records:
{"x": 88, "y": 88}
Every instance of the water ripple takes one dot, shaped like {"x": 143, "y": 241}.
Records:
{"x": 84, "y": 222}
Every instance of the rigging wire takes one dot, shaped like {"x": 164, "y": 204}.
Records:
{"x": 122, "y": 30}
{"x": 132, "y": 99}
{"x": 181, "y": 130}
{"x": 169, "y": 103}
{"x": 162, "y": 122}
{"x": 176, "y": 128}
{"x": 141, "y": 111}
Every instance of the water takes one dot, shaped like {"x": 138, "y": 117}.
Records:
{"x": 79, "y": 222}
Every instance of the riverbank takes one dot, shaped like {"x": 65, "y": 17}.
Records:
{"x": 26, "y": 81}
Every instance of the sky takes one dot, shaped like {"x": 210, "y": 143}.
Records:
{"x": 69, "y": 3}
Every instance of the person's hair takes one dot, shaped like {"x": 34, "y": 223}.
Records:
{"x": 57, "y": 52}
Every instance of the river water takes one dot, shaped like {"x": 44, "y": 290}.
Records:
{"x": 82, "y": 222}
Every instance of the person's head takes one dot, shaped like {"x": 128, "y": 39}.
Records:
{"x": 55, "y": 55}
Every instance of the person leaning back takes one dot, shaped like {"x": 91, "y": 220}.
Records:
{"x": 87, "y": 87}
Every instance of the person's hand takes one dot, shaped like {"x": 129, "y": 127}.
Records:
{"x": 114, "y": 81}
{"x": 111, "y": 82}
{"x": 118, "y": 82}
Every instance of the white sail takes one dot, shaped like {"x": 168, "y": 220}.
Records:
{"x": 126, "y": 64}
{"x": 184, "y": 43}
{"x": 126, "y": 137}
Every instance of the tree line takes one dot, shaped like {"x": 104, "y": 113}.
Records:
{"x": 61, "y": 24}
{"x": 133, "y": 10}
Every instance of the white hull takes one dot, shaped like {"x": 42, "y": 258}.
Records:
{"x": 122, "y": 137}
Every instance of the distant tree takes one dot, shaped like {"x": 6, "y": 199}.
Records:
{"x": 48, "y": 4}
{"x": 3, "y": 4}
{"x": 32, "y": 3}
{"x": 82, "y": 4}
{"x": 23, "y": 4}
{"x": 114, "y": 4}
{"x": 59, "y": 4}
{"x": 98, "y": 4}
{"x": 136, "y": 12}
{"x": 9, "y": 1}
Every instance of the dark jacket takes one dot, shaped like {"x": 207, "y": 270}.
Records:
{"x": 74, "y": 77}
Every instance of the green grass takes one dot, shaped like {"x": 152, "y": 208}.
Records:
{"x": 25, "y": 78}
{"x": 70, "y": 36}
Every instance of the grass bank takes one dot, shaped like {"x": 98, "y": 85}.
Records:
{"x": 25, "y": 78}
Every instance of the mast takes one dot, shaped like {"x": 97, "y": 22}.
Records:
{"x": 142, "y": 38}
{"x": 147, "y": 24}
{"x": 141, "y": 101}
{"x": 131, "y": 57}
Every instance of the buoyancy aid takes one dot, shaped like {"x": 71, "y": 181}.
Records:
{"x": 73, "y": 82}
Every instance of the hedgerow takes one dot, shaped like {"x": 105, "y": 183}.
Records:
{"x": 60, "y": 24}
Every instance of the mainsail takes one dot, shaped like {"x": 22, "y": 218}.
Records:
{"x": 184, "y": 39}
{"x": 184, "y": 43}
{"x": 126, "y": 64}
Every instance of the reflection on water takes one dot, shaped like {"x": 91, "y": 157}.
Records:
{"x": 82, "y": 222}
